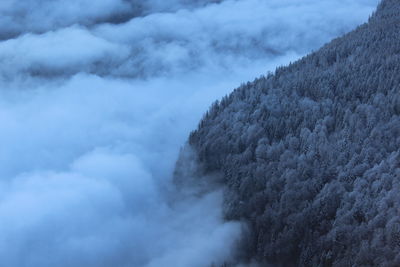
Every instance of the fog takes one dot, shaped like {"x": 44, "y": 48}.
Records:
{"x": 96, "y": 100}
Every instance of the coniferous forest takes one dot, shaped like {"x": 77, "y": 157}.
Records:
{"x": 310, "y": 154}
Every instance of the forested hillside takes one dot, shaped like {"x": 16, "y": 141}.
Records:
{"x": 310, "y": 154}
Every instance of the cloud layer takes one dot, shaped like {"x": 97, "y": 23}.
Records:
{"x": 96, "y": 100}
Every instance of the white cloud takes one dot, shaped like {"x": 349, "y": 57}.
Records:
{"x": 40, "y": 16}
{"x": 65, "y": 51}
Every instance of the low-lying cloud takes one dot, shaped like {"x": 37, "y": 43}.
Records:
{"x": 97, "y": 98}
{"x": 39, "y": 16}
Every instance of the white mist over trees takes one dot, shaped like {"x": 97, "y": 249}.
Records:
{"x": 310, "y": 154}
{"x": 96, "y": 98}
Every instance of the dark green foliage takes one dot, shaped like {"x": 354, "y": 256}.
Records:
{"x": 310, "y": 155}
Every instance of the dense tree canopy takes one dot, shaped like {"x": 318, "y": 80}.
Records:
{"x": 310, "y": 154}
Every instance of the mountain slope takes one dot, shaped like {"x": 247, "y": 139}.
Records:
{"x": 310, "y": 154}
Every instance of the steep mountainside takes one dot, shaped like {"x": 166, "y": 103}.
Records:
{"x": 310, "y": 154}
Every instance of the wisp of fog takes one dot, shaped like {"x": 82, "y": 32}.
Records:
{"x": 96, "y": 99}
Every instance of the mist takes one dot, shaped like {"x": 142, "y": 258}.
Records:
{"x": 96, "y": 100}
